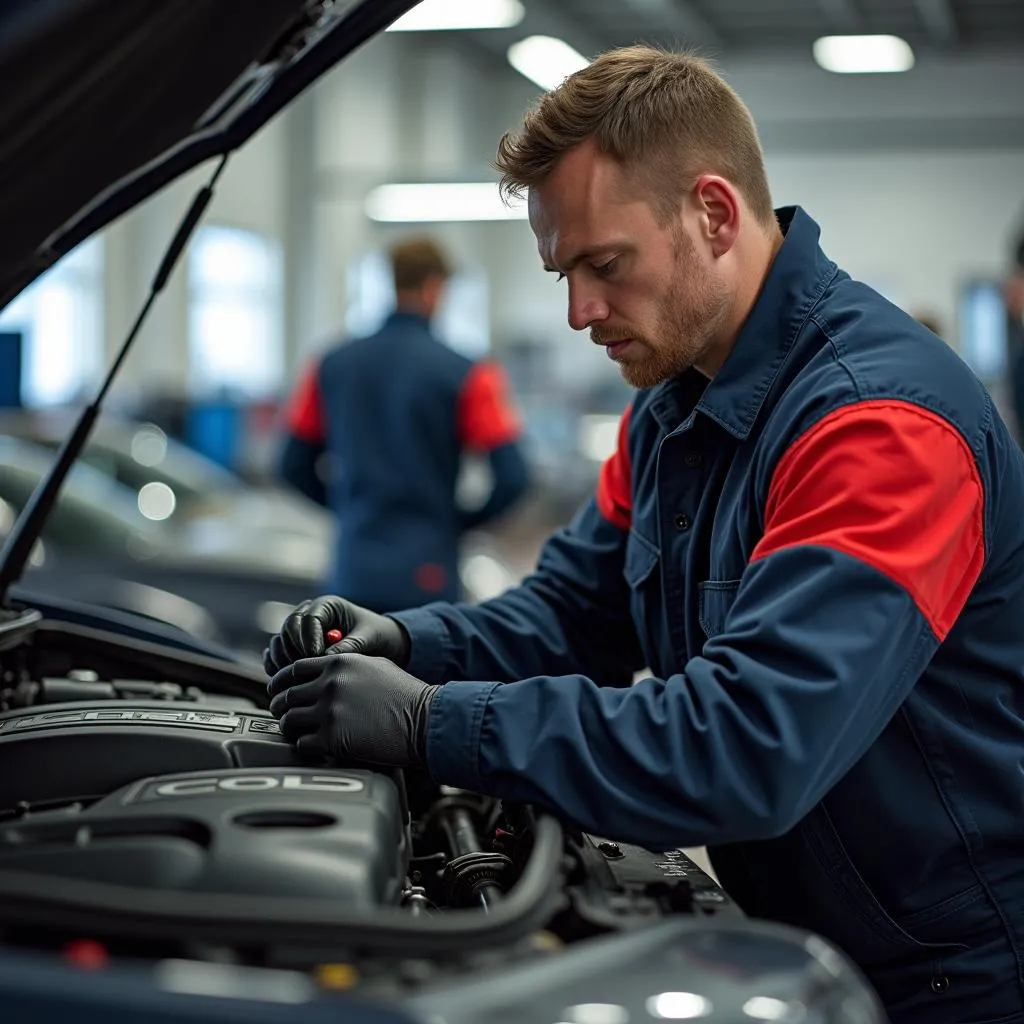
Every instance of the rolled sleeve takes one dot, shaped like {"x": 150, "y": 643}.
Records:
{"x": 453, "y": 733}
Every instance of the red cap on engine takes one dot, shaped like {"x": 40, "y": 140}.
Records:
{"x": 87, "y": 954}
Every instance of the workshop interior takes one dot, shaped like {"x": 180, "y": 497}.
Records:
{"x": 202, "y": 202}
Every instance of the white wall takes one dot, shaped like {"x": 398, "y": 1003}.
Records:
{"x": 917, "y": 227}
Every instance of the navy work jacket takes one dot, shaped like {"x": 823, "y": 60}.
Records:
{"x": 820, "y": 556}
{"x": 392, "y": 414}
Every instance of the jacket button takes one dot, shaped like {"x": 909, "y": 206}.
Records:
{"x": 940, "y": 983}
{"x": 682, "y": 522}
{"x": 693, "y": 459}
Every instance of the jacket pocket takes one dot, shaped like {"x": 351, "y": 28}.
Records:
{"x": 715, "y": 598}
{"x": 870, "y": 934}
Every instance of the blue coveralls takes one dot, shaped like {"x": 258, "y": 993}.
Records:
{"x": 820, "y": 555}
{"x": 392, "y": 414}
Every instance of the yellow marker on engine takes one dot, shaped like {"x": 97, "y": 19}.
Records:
{"x": 337, "y": 976}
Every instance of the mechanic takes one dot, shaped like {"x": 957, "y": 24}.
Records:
{"x": 811, "y": 533}
{"x": 393, "y": 414}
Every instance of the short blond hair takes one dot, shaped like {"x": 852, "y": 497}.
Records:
{"x": 666, "y": 117}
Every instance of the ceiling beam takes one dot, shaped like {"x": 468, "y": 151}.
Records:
{"x": 842, "y": 15}
{"x": 940, "y": 20}
{"x": 681, "y": 20}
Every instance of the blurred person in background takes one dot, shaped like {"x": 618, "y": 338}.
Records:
{"x": 810, "y": 532}
{"x": 1013, "y": 295}
{"x": 390, "y": 417}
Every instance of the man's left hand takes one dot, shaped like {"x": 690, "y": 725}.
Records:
{"x": 354, "y": 708}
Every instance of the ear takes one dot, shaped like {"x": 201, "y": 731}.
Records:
{"x": 720, "y": 210}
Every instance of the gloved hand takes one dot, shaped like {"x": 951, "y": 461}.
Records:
{"x": 354, "y": 708}
{"x": 363, "y": 632}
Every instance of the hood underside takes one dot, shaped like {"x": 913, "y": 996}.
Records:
{"x": 105, "y": 103}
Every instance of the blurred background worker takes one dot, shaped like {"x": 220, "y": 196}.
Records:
{"x": 394, "y": 413}
{"x": 1013, "y": 295}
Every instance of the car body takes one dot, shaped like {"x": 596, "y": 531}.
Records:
{"x": 228, "y": 566}
{"x": 210, "y": 507}
{"x": 231, "y": 585}
{"x": 164, "y": 853}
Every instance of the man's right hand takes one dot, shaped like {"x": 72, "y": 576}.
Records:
{"x": 304, "y": 633}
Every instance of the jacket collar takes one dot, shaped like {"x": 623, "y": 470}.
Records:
{"x": 408, "y": 318}
{"x": 795, "y": 282}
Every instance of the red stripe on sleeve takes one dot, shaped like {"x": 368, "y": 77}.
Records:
{"x": 487, "y": 416}
{"x": 892, "y": 485}
{"x": 614, "y": 485}
{"x": 305, "y": 415}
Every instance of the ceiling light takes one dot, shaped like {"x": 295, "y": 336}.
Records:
{"x": 545, "y": 60}
{"x": 861, "y": 55}
{"x": 441, "y": 203}
{"x": 439, "y": 15}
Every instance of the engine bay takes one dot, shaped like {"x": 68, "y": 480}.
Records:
{"x": 153, "y": 808}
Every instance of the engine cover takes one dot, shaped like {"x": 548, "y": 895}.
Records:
{"x": 88, "y": 749}
{"x": 316, "y": 833}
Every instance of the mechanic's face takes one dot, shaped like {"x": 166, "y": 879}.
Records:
{"x": 647, "y": 292}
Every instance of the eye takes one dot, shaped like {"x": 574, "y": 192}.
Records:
{"x": 606, "y": 269}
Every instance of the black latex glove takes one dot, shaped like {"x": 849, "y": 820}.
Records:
{"x": 304, "y": 633}
{"x": 353, "y": 708}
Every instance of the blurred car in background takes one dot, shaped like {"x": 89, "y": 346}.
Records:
{"x": 146, "y": 525}
{"x": 229, "y": 586}
{"x": 213, "y": 508}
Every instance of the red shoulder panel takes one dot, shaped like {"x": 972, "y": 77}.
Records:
{"x": 893, "y": 485}
{"x": 614, "y": 485}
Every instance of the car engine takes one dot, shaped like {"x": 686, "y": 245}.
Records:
{"x": 185, "y": 801}
{"x": 151, "y": 813}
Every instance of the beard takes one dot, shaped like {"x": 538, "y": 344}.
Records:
{"x": 689, "y": 318}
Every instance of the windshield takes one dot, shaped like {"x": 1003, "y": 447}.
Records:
{"x": 138, "y": 456}
{"x": 93, "y": 514}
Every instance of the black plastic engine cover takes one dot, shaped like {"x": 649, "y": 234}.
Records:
{"x": 316, "y": 833}
{"x": 88, "y": 749}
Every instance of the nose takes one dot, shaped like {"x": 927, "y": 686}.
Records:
{"x": 586, "y": 306}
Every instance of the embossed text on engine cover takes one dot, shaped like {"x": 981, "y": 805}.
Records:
{"x": 215, "y": 721}
{"x": 201, "y": 784}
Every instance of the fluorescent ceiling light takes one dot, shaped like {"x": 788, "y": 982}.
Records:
{"x": 859, "y": 55}
{"x": 441, "y": 203}
{"x": 545, "y": 60}
{"x": 438, "y": 15}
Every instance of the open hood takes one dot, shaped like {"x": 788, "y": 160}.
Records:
{"x": 105, "y": 103}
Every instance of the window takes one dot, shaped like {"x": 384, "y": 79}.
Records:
{"x": 60, "y": 317}
{"x": 983, "y": 329}
{"x": 235, "y": 313}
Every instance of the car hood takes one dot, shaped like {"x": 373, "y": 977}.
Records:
{"x": 105, "y": 103}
